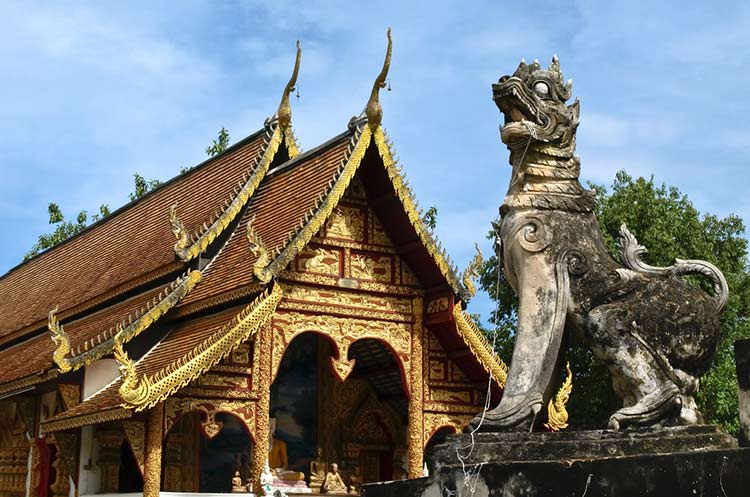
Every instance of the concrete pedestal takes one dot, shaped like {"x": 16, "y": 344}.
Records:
{"x": 684, "y": 461}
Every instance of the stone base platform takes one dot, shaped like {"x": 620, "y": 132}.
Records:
{"x": 682, "y": 461}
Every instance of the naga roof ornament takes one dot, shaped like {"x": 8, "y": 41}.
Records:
{"x": 259, "y": 250}
{"x": 472, "y": 272}
{"x": 373, "y": 110}
{"x": 284, "y": 113}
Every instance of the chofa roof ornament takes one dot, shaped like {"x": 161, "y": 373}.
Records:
{"x": 373, "y": 110}
{"x": 284, "y": 113}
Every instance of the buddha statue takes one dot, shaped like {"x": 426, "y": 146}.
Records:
{"x": 266, "y": 479}
{"x": 278, "y": 459}
{"x": 237, "y": 487}
{"x": 355, "y": 482}
{"x": 333, "y": 484}
{"x": 317, "y": 470}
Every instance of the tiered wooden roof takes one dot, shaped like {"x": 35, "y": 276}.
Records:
{"x": 252, "y": 209}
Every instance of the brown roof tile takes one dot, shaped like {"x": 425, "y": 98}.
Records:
{"x": 132, "y": 242}
{"x": 35, "y": 355}
{"x": 278, "y": 206}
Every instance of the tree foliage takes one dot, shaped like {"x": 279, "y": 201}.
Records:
{"x": 219, "y": 144}
{"x": 668, "y": 224}
{"x": 142, "y": 186}
{"x": 63, "y": 229}
{"x": 430, "y": 217}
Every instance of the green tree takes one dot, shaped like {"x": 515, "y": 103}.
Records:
{"x": 63, "y": 229}
{"x": 142, "y": 186}
{"x": 220, "y": 144}
{"x": 217, "y": 146}
{"x": 666, "y": 222}
{"x": 430, "y": 217}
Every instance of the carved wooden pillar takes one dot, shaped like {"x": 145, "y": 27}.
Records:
{"x": 110, "y": 445}
{"x": 154, "y": 435}
{"x": 262, "y": 374}
{"x": 416, "y": 401}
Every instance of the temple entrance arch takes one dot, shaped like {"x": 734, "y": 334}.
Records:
{"x": 359, "y": 422}
{"x": 206, "y": 444}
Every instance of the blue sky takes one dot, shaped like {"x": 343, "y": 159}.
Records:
{"x": 92, "y": 94}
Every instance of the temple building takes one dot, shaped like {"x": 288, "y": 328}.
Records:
{"x": 256, "y": 320}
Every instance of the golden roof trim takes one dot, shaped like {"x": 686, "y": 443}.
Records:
{"x": 408, "y": 201}
{"x": 122, "y": 332}
{"x": 188, "y": 247}
{"x": 472, "y": 272}
{"x": 97, "y": 417}
{"x": 28, "y": 381}
{"x": 317, "y": 216}
{"x": 373, "y": 109}
{"x": 284, "y": 113}
{"x": 479, "y": 346}
{"x": 146, "y": 391}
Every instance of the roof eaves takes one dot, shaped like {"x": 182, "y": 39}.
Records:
{"x": 146, "y": 391}
{"x": 122, "y": 332}
{"x": 479, "y": 346}
{"x": 409, "y": 203}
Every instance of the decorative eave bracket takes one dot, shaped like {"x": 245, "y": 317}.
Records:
{"x": 122, "y": 332}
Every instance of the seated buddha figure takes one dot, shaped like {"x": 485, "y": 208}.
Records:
{"x": 317, "y": 470}
{"x": 278, "y": 459}
{"x": 333, "y": 483}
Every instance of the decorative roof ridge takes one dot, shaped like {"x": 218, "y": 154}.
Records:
{"x": 114, "y": 414}
{"x": 314, "y": 219}
{"x": 409, "y": 202}
{"x": 479, "y": 346}
{"x": 284, "y": 112}
{"x": 189, "y": 246}
{"x": 146, "y": 391}
{"x": 373, "y": 109}
{"x": 130, "y": 327}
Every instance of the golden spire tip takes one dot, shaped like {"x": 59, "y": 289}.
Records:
{"x": 284, "y": 113}
{"x": 374, "y": 111}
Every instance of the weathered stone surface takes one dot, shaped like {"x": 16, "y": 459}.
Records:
{"x": 742, "y": 355}
{"x": 715, "y": 473}
{"x": 657, "y": 333}
{"x": 678, "y": 461}
{"x": 574, "y": 445}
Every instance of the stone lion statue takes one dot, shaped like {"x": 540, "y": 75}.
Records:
{"x": 656, "y": 333}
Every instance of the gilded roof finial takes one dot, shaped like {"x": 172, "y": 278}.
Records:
{"x": 284, "y": 114}
{"x": 374, "y": 110}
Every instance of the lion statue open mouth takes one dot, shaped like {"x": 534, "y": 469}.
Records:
{"x": 656, "y": 333}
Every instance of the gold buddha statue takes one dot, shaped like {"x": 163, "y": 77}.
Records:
{"x": 237, "y": 487}
{"x": 317, "y": 470}
{"x": 333, "y": 483}
{"x": 278, "y": 459}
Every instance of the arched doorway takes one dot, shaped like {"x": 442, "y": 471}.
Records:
{"x": 223, "y": 455}
{"x": 195, "y": 462}
{"x": 359, "y": 424}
